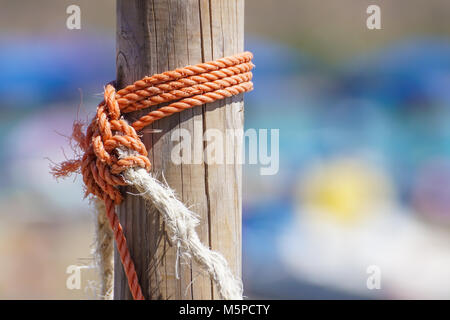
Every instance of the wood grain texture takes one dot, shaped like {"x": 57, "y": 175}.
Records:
{"x": 155, "y": 36}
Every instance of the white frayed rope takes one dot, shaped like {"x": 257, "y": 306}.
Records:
{"x": 181, "y": 224}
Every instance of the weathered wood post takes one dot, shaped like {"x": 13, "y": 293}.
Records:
{"x": 154, "y": 36}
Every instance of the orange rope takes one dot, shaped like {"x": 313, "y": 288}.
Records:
{"x": 191, "y": 102}
{"x": 183, "y": 90}
{"x": 126, "y": 101}
{"x": 100, "y": 164}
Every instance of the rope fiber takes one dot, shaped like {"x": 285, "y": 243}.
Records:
{"x": 113, "y": 155}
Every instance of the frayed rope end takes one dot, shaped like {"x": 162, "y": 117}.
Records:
{"x": 78, "y": 142}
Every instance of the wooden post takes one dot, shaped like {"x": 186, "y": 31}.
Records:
{"x": 154, "y": 36}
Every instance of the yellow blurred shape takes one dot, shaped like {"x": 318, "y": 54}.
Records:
{"x": 344, "y": 189}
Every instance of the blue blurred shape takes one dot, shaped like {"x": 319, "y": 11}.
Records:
{"x": 416, "y": 71}
{"x": 43, "y": 70}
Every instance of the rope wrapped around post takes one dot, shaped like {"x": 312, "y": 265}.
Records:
{"x": 114, "y": 155}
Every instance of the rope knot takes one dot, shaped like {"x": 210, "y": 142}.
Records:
{"x": 101, "y": 165}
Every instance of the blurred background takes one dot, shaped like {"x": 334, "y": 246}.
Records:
{"x": 364, "y": 179}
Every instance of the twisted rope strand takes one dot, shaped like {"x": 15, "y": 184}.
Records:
{"x": 189, "y": 103}
{"x": 126, "y": 102}
{"x": 187, "y": 71}
{"x": 195, "y": 89}
{"x": 104, "y": 251}
{"x": 112, "y": 148}
{"x": 124, "y": 253}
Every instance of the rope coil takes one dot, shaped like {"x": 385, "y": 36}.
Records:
{"x": 112, "y": 146}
